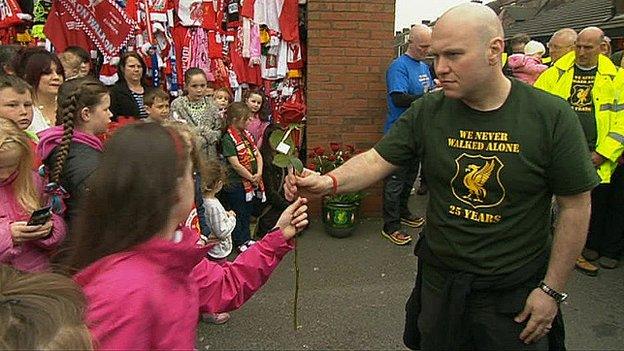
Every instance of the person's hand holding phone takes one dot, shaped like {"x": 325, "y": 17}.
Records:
{"x": 23, "y": 232}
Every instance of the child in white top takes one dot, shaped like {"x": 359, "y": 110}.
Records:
{"x": 220, "y": 221}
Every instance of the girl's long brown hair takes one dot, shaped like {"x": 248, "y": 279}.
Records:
{"x": 13, "y": 138}
{"x": 131, "y": 192}
{"x": 74, "y": 95}
{"x": 264, "y": 112}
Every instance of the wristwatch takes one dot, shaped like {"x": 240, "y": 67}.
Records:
{"x": 558, "y": 296}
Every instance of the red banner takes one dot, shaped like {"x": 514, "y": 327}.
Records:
{"x": 106, "y": 24}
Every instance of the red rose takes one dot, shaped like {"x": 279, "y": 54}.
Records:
{"x": 334, "y": 147}
{"x": 350, "y": 147}
{"x": 311, "y": 166}
{"x": 318, "y": 151}
{"x": 332, "y": 157}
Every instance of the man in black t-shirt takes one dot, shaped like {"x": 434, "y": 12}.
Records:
{"x": 592, "y": 85}
{"x": 494, "y": 152}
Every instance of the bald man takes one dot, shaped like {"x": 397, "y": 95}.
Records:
{"x": 561, "y": 42}
{"x": 494, "y": 150}
{"x": 592, "y": 85}
{"x": 407, "y": 79}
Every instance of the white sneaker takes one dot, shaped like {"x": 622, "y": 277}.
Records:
{"x": 245, "y": 246}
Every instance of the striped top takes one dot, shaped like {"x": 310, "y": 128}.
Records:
{"x": 139, "y": 100}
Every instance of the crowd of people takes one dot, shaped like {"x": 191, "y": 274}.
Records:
{"x": 138, "y": 198}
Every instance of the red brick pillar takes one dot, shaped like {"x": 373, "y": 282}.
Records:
{"x": 350, "y": 44}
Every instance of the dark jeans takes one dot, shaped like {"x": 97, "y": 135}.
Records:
{"x": 489, "y": 323}
{"x": 235, "y": 199}
{"x": 607, "y": 221}
{"x": 396, "y": 192}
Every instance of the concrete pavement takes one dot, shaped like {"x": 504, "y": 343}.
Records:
{"x": 353, "y": 293}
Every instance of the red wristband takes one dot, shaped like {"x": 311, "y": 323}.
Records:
{"x": 334, "y": 183}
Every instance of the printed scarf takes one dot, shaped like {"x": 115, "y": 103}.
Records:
{"x": 245, "y": 151}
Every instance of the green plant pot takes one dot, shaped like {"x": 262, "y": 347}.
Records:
{"x": 340, "y": 219}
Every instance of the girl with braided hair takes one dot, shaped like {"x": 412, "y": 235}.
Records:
{"x": 70, "y": 151}
{"x": 25, "y": 247}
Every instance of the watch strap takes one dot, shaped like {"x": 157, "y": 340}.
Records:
{"x": 557, "y": 296}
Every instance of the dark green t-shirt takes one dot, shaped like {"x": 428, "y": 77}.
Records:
{"x": 229, "y": 149}
{"x": 491, "y": 175}
{"x": 582, "y": 103}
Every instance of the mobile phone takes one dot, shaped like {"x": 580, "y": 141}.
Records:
{"x": 40, "y": 216}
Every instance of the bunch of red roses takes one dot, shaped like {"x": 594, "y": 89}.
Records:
{"x": 323, "y": 161}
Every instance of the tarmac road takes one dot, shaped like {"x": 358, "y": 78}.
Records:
{"x": 353, "y": 292}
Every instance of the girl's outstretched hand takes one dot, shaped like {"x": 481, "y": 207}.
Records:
{"x": 294, "y": 218}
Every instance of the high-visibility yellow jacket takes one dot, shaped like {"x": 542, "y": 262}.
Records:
{"x": 608, "y": 89}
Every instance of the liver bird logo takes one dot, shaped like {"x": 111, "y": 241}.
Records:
{"x": 582, "y": 96}
{"x": 477, "y": 180}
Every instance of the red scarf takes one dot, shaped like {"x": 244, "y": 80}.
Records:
{"x": 246, "y": 153}
{"x": 104, "y": 22}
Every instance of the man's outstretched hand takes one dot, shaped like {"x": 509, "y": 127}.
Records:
{"x": 308, "y": 184}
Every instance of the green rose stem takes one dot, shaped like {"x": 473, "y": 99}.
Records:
{"x": 296, "y": 302}
{"x": 286, "y": 157}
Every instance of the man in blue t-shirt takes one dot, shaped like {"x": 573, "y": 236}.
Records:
{"x": 407, "y": 79}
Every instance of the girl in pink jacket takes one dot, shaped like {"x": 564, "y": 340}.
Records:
{"x": 145, "y": 278}
{"x": 25, "y": 247}
{"x": 529, "y": 66}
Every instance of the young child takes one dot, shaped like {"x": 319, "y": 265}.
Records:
{"x": 245, "y": 176}
{"x": 198, "y": 110}
{"x": 197, "y": 218}
{"x": 529, "y": 66}
{"x": 41, "y": 311}
{"x": 16, "y": 101}
{"x": 25, "y": 247}
{"x": 210, "y": 89}
{"x": 259, "y": 121}
{"x": 16, "y": 104}
{"x": 71, "y": 64}
{"x": 156, "y": 103}
{"x": 145, "y": 278}
{"x": 71, "y": 151}
{"x": 223, "y": 99}
{"x": 221, "y": 223}
{"x": 85, "y": 59}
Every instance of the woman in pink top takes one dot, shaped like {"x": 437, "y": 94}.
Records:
{"x": 145, "y": 278}
{"x": 25, "y": 247}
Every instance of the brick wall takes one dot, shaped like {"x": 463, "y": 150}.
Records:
{"x": 350, "y": 44}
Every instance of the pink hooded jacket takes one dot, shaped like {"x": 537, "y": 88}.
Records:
{"x": 526, "y": 68}
{"x": 150, "y": 297}
{"x": 31, "y": 256}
